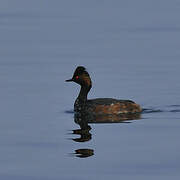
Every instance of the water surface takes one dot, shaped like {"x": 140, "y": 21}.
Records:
{"x": 131, "y": 50}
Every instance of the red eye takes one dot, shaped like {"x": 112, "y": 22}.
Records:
{"x": 77, "y": 77}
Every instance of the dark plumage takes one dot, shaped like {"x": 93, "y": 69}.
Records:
{"x": 100, "y": 105}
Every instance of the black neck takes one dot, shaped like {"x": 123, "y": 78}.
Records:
{"x": 83, "y": 93}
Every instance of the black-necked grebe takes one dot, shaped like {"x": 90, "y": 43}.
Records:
{"x": 101, "y": 105}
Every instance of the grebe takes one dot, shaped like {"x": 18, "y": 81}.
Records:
{"x": 99, "y": 106}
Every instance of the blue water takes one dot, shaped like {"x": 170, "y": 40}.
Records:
{"x": 131, "y": 50}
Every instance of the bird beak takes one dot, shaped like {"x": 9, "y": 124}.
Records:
{"x": 69, "y": 80}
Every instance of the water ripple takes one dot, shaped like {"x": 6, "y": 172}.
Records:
{"x": 169, "y": 108}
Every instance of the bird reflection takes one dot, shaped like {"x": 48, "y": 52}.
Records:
{"x": 84, "y": 133}
{"x": 84, "y": 153}
{"x": 84, "y": 119}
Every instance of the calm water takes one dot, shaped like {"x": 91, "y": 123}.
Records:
{"x": 132, "y": 51}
